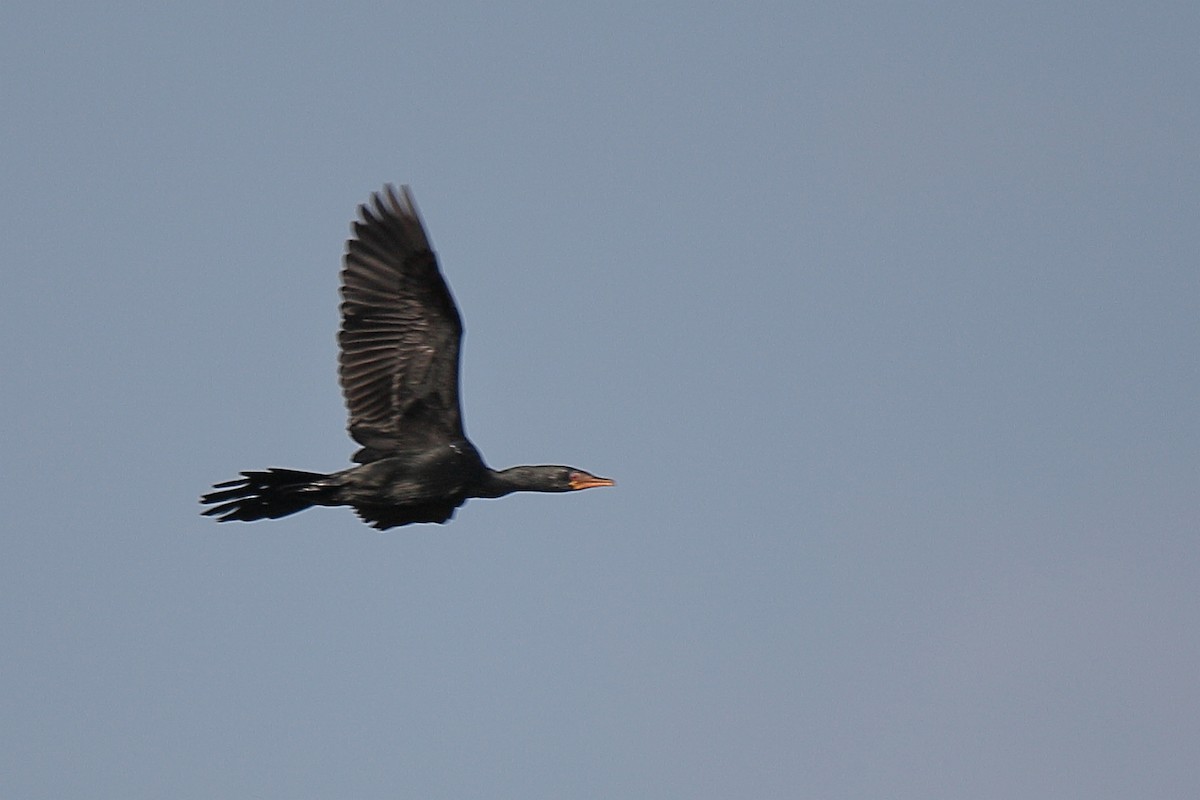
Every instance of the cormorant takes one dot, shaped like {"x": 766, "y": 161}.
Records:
{"x": 398, "y": 368}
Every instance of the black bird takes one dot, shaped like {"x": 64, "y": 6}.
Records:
{"x": 398, "y": 368}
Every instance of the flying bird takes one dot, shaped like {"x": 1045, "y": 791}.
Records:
{"x": 398, "y": 367}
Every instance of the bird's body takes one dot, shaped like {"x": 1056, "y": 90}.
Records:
{"x": 398, "y": 367}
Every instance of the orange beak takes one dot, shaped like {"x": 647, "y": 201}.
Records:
{"x": 582, "y": 480}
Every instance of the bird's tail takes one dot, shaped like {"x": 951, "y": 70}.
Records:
{"x": 271, "y": 494}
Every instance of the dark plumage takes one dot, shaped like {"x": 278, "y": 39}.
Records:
{"x": 398, "y": 368}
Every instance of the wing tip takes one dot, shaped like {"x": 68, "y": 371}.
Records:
{"x": 389, "y": 207}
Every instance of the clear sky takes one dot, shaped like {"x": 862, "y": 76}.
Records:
{"x": 884, "y": 316}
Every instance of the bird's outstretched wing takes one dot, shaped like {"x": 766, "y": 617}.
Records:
{"x": 400, "y": 333}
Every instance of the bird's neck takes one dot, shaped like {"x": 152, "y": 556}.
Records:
{"x": 497, "y": 483}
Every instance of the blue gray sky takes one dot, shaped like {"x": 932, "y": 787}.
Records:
{"x": 883, "y": 316}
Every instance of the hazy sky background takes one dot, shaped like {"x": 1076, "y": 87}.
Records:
{"x": 884, "y": 316}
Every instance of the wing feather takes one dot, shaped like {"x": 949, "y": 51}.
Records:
{"x": 400, "y": 333}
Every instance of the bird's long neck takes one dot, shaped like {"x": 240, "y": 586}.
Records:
{"x": 497, "y": 483}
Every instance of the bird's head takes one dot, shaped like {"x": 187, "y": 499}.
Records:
{"x": 577, "y": 479}
{"x": 568, "y": 479}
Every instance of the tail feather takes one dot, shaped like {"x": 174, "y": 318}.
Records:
{"x": 271, "y": 494}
